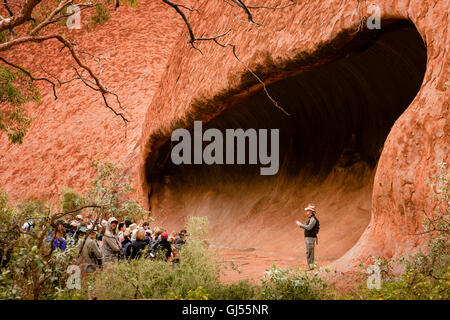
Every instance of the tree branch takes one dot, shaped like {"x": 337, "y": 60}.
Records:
{"x": 233, "y": 46}
{"x": 73, "y": 51}
{"x": 21, "y": 17}
{"x": 30, "y": 75}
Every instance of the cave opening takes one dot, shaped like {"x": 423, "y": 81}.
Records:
{"x": 340, "y": 114}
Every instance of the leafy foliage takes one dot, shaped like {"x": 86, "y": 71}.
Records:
{"x": 293, "y": 284}
{"x": 100, "y": 16}
{"x": 111, "y": 191}
{"x": 16, "y": 88}
{"x": 70, "y": 199}
{"x": 102, "y": 12}
{"x": 32, "y": 271}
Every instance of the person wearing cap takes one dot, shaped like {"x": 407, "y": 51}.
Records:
{"x": 311, "y": 229}
{"x": 111, "y": 246}
{"x": 162, "y": 247}
{"x": 181, "y": 237}
{"x": 82, "y": 231}
{"x": 90, "y": 253}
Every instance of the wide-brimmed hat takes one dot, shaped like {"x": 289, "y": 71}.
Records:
{"x": 311, "y": 207}
{"x": 74, "y": 223}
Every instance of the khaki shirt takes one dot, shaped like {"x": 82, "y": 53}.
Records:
{"x": 310, "y": 225}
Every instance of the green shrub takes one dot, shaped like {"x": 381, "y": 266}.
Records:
{"x": 32, "y": 271}
{"x": 426, "y": 274}
{"x": 70, "y": 199}
{"x": 241, "y": 290}
{"x": 292, "y": 284}
{"x": 197, "y": 294}
{"x": 100, "y": 16}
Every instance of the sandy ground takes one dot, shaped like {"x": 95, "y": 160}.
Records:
{"x": 251, "y": 265}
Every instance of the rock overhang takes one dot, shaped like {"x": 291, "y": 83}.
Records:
{"x": 207, "y": 102}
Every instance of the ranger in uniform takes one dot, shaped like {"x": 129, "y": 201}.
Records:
{"x": 311, "y": 230}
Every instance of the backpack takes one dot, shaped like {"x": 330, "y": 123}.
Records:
{"x": 316, "y": 226}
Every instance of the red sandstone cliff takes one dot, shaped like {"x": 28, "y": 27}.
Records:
{"x": 366, "y": 210}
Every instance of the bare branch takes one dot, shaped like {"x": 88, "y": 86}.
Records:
{"x": 61, "y": 82}
{"x": 62, "y": 214}
{"x": 50, "y": 17}
{"x": 240, "y": 4}
{"x": 191, "y": 36}
{"x": 192, "y": 39}
{"x": 5, "y": 2}
{"x": 183, "y": 16}
{"x": 233, "y": 46}
{"x": 67, "y": 15}
{"x": 247, "y": 11}
{"x": 213, "y": 37}
{"x": 95, "y": 82}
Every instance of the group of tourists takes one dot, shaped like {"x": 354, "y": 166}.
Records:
{"x": 112, "y": 240}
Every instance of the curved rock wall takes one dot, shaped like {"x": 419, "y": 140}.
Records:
{"x": 201, "y": 86}
{"x": 69, "y": 133}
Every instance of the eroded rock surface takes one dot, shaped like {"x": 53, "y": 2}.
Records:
{"x": 369, "y": 178}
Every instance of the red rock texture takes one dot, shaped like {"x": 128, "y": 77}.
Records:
{"x": 69, "y": 132}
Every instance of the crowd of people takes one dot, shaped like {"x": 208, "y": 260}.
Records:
{"x": 112, "y": 240}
